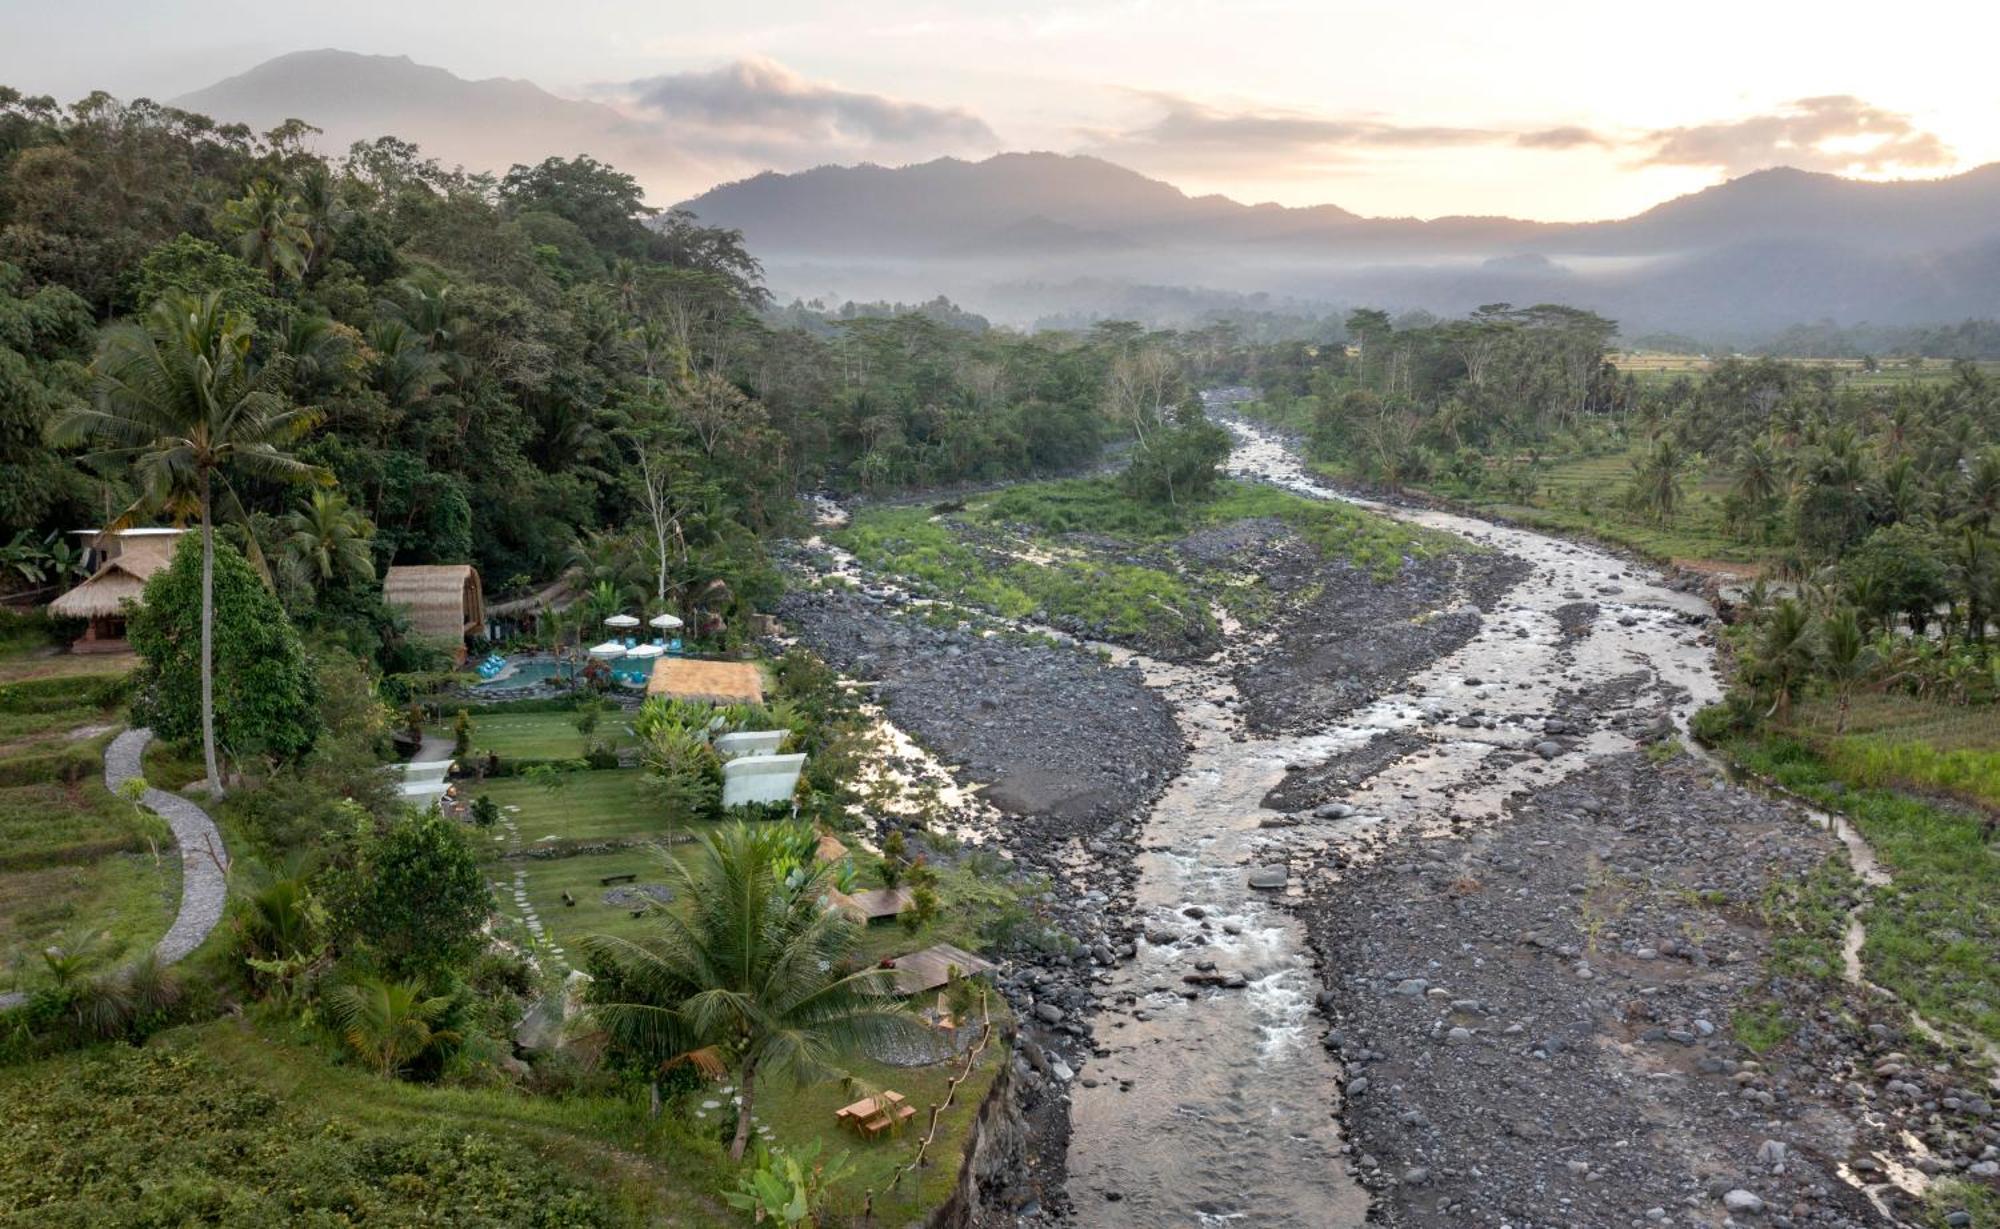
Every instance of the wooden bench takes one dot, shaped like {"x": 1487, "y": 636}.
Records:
{"x": 608, "y": 880}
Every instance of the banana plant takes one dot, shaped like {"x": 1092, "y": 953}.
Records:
{"x": 789, "y": 1188}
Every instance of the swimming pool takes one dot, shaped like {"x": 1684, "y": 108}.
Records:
{"x": 542, "y": 671}
{"x": 530, "y": 673}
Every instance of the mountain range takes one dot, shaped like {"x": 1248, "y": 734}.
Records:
{"x": 1019, "y": 235}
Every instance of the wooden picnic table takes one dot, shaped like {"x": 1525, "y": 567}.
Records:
{"x": 873, "y": 1115}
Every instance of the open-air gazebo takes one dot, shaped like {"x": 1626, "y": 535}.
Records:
{"x": 443, "y": 601}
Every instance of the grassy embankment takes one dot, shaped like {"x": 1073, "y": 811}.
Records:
{"x": 1934, "y": 935}
{"x": 1041, "y": 548}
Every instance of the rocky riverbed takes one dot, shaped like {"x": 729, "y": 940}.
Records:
{"x": 1410, "y": 907}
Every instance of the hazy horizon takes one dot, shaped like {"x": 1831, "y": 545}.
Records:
{"x": 1554, "y": 113}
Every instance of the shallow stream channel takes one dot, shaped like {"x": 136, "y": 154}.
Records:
{"x": 1211, "y": 1100}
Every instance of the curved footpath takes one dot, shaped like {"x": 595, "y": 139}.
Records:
{"x": 204, "y": 860}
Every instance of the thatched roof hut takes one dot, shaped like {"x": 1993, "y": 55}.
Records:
{"x": 443, "y": 600}
{"x": 718, "y": 682}
{"x": 117, "y": 580}
{"x": 129, "y": 557}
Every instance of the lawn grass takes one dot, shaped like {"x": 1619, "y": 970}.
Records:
{"x": 539, "y": 736}
{"x": 800, "y": 1115}
{"x": 1586, "y": 496}
{"x": 608, "y": 804}
{"x": 1123, "y": 599}
{"x": 1934, "y": 935}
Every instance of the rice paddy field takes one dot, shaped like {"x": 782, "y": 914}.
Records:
{"x": 1890, "y": 371}
{"x": 79, "y": 868}
{"x": 1586, "y": 496}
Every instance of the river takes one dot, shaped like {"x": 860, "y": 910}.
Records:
{"x": 1216, "y": 1105}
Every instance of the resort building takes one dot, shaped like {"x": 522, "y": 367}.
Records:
{"x": 442, "y": 600}
{"x": 122, "y": 560}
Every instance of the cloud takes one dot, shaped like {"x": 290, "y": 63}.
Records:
{"x": 763, "y": 104}
{"x": 1835, "y": 132}
{"x": 1184, "y": 134}
{"x": 1567, "y": 137}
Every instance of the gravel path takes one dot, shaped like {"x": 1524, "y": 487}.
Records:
{"x": 204, "y": 861}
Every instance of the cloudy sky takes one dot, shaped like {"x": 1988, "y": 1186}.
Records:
{"x": 1556, "y": 109}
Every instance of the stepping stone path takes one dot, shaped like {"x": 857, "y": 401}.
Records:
{"x": 204, "y": 860}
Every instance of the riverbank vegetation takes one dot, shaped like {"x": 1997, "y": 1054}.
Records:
{"x": 1846, "y": 524}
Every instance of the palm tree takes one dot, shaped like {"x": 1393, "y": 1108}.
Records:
{"x": 328, "y": 538}
{"x": 1759, "y": 476}
{"x": 1783, "y": 657}
{"x": 391, "y": 1024}
{"x": 271, "y": 232}
{"x": 751, "y": 976}
{"x": 180, "y": 400}
{"x": 1656, "y": 480}
{"x": 1844, "y": 657}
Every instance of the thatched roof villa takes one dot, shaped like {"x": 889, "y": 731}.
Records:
{"x": 442, "y": 600}
{"x": 127, "y": 559}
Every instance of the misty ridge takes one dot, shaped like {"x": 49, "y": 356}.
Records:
{"x": 1046, "y": 239}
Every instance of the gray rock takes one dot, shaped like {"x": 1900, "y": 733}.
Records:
{"x": 1742, "y": 1203}
{"x": 1270, "y": 878}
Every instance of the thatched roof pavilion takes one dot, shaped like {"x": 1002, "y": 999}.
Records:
{"x": 131, "y": 557}
{"x": 718, "y": 682}
{"x": 443, "y": 601}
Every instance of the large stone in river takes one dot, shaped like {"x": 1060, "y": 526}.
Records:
{"x": 1269, "y": 878}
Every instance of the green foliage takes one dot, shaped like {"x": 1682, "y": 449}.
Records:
{"x": 122, "y": 1136}
{"x": 391, "y": 1024}
{"x": 789, "y": 1188}
{"x": 1934, "y": 935}
{"x": 1761, "y": 1028}
{"x": 190, "y": 266}
{"x": 1896, "y": 571}
{"x": 754, "y": 972}
{"x": 264, "y": 687}
{"x": 414, "y": 896}
{"x": 1178, "y": 463}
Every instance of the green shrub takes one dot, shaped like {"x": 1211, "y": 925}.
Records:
{"x": 152, "y": 1137}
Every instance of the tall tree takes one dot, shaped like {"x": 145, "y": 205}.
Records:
{"x": 182, "y": 401}
{"x": 271, "y": 232}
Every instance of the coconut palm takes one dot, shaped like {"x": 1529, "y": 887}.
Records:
{"x": 751, "y": 976}
{"x": 1656, "y": 479}
{"x": 390, "y": 1024}
{"x": 328, "y": 538}
{"x": 180, "y": 400}
{"x": 1783, "y": 655}
{"x": 270, "y": 232}
{"x": 1844, "y": 657}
